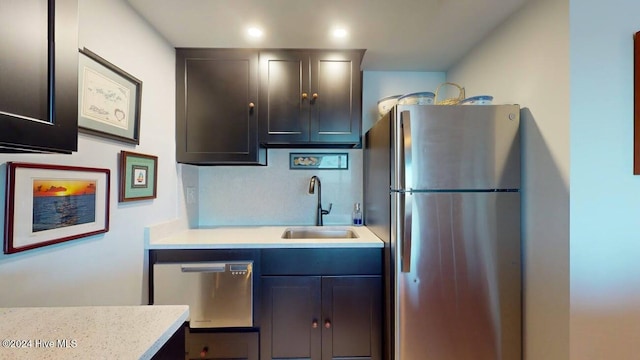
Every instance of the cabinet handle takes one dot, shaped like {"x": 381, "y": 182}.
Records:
{"x": 204, "y": 351}
{"x": 314, "y": 96}
{"x": 305, "y": 96}
{"x": 251, "y": 105}
{"x": 314, "y": 324}
{"x": 327, "y": 324}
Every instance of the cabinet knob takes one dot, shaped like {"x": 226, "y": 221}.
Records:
{"x": 314, "y": 96}
{"x": 314, "y": 324}
{"x": 204, "y": 352}
{"x": 251, "y": 105}
{"x": 327, "y": 324}
{"x": 305, "y": 96}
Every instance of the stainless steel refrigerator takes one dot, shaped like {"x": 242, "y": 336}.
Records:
{"x": 442, "y": 189}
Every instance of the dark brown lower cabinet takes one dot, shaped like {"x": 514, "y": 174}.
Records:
{"x": 321, "y": 317}
{"x": 352, "y": 317}
{"x": 222, "y": 346}
{"x": 174, "y": 347}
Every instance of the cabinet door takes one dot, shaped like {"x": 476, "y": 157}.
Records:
{"x": 285, "y": 98}
{"x": 336, "y": 97}
{"x": 217, "y": 107}
{"x": 39, "y": 75}
{"x": 291, "y": 325}
{"x": 352, "y": 317}
{"x": 310, "y": 97}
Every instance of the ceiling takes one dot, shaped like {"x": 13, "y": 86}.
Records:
{"x": 415, "y": 35}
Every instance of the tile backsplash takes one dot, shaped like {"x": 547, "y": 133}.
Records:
{"x": 275, "y": 194}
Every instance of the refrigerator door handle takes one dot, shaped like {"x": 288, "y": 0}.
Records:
{"x": 406, "y": 177}
{"x": 406, "y": 200}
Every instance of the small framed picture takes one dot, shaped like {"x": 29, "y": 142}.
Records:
{"x": 138, "y": 176}
{"x": 109, "y": 99}
{"x": 636, "y": 103}
{"x": 318, "y": 161}
{"x": 49, "y": 204}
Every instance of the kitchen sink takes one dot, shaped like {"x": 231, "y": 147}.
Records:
{"x": 319, "y": 233}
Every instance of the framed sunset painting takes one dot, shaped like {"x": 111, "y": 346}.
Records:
{"x": 49, "y": 204}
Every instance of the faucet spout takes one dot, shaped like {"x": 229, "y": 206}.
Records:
{"x": 313, "y": 183}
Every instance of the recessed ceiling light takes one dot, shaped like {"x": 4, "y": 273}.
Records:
{"x": 254, "y": 32}
{"x": 339, "y": 33}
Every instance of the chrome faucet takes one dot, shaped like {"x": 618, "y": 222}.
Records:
{"x": 319, "y": 211}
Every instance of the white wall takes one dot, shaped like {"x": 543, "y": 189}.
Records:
{"x": 605, "y": 245}
{"x": 379, "y": 84}
{"x": 276, "y": 195}
{"x": 106, "y": 269}
{"x": 526, "y": 61}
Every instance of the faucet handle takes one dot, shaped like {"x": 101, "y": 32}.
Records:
{"x": 326, "y": 212}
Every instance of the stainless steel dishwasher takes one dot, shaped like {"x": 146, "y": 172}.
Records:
{"x": 219, "y": 294}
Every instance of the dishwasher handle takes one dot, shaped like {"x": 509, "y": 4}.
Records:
{"x": 203, "y": 267}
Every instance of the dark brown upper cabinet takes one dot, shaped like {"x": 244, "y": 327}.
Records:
{"x": 39, "y": 76}
{"x": 217, "y": 107}
{"x": 310, "y": 98}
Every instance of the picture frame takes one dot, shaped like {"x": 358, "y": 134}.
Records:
{"x": 49, "y": 204}
{"x": 138, "y": 176}
{"x": 109, "y": 99}
{"x": 636, "y": 103}
{"x": 318, "y": 161}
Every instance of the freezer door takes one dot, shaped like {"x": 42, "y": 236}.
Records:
{"x": 461, "y": 296}
{"x": 459, "y": 147}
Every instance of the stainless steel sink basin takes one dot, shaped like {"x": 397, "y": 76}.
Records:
{"x": 319, "y": 233}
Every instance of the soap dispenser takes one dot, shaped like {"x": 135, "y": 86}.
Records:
{"x": 357, "y": 215}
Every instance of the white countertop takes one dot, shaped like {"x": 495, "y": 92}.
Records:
{"x": 89, "y": 332}
{"x": 252, "y": 237}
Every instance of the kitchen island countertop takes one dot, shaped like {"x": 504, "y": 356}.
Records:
{"x": 247, "y": 237}
{"x": 88, "y": 332}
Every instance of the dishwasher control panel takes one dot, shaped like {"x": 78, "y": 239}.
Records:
{"x": 240, "y": 269}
